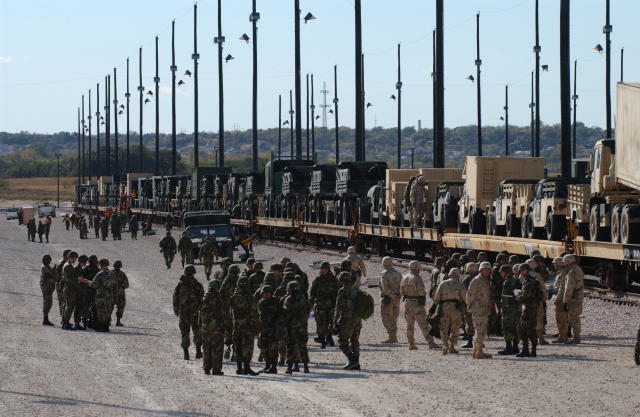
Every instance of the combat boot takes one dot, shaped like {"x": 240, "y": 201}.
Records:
{"x": 533, "y": 350}
{"x": 391, "y": 339}
{"x": 296, "y": 367}
{"x": 78, "y": 326}
{"x": 198, "y": 352}
{"x": 481, "y": 355}
{"x": 452, "y": 350}
{"x": 118, "y": 322}
{"x": 541, "y": 340}
{"x": 227, "y": 353}
{"x": 207, "y": 372}
{"x": 562, "y": 338}
{"x": 305, "y": 367}
{"x": 289, "y": 370}
{"x": 432, "y": 344}
{"x": 355, "y": 363}
{"x": 469, "y": 343}
{"x": 217, "y": 373}
{"x": 186, "y": 353}
{"x": 324, "y": 344}
{"x": 524, "y": 353}
{"x": 445, "y": 349}
{"x": 330, "y": 340}
{"x": 46, "y": 321}
{"x": 508, "y": 350}
{"x": 247, "y": 369}
{"x": 273, "y": 369}
{"x": 239, "y": 370}
{"x": 574, "y": 341}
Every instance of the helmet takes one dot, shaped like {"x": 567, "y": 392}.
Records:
{"x": 502, "y": 257}
{"x": 524, "y": 267}
{"x": 514, "y": 259}
{"x": 470, "y": 253}
{"x": 276, "y": 267}
{"x": 414, "y": 265}
{"x": 189, "y": 270}
{"x": 293, "y": 286}
{"x": 504, "y": 252}
{"x": 215, "y": 285}
{"x": 46, "y": 259}
{"x": 257, "y": 265}
{"x": 288, "y": 276}
{"x": 387, "y": 261}
{"x": 507, "y": 269}
{"x": 456, "y": 256}
{"x": 266, "y": 288}
{"x": 66, "y": 252}
{"x": 251, "y": 261}
{"x": 485, "y": 265}
{"x": 72, "y": 255}
{"x": 83, "y": 258}
{"x": 569, "y": 259}
{"x": 285, "y": 260}
{"x": 483, "y": 256}
{"x": 325, "y": 264}
{"x": 226, "y": 262}
{"x": 558, "y": 261}
{"x": 535, "y": 252}
{"x": 351, "y": 250}
{"x": 451, "y": 263}
{"x": 532, "y": 264}
{"x": 117, "y": 264}
{"x": 346, "y": 264}
{"x": 104, "y": 262}
{"x": 234, "y": 269}
{"x": 344, "y": 277}
{"x": 471, "y": 268}
{"x": 538, "y": 258}
{"x": 93, "y": 258}
{"x": 464, "y": 259}
{"x": 439, "y": 260}
{"x": 454, "y": 273}
{"x": 243, "y": 282}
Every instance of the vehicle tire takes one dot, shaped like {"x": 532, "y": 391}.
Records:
{"x": 556, "y": 227}
{"x": 629, "y": 229}
{"x": 479, "y": 226}
{"x": 531, "y": 229}
{"x": 616, "y": 214}
{"x": 512, "y": 226}
{"x": 636, "y": 355}
{"x": 596, "y": 232}
{"x": 346, "y": 213}
{"x": 337, "y": 212}
{"x": 584, "y": 230}
{"x": 463, "y": 227}
{"x": 524, "y": 225}
{"x": 490, "y": 225}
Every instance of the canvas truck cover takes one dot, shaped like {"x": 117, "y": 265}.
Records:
{"x": 628, "y": 134}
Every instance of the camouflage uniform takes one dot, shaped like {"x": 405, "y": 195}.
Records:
{"x": 168, "y": 248}
{"x": 48, "y": 278}
{"x": 280, "y": 294}
{"x": 72, "y": 294}
{"x": 271, "y": 323}
{"x": 185, "y": 247}
{"x": 471, "y": 270}
{"x": 119, "y": 295}
{"x": 450, "y": 298}
{"x": 89, "y": 301}
{"x": 510, "y": 310}
{"x": 357, "y": 265}
{"x": 60, "y": 282}
{"x": 245, "y": 324}
{"x": 206, "y": 256}
{"x": 302, "y": 278}
{"x": 296, "y": 310}
{"x": 212, "y": 317}
{"x": 322, "y": 299}
{"x": 413, "y": 292}
{"x": 562, "y": 316}
{"x": 187, "y": 300}
{"x": 255, "y": 279}
{"x": 103, "y": 282}
{"x": 530, "y": 299}
{"x": 229, "y": 275}
{"x": 390, "y": 304}
{"x": 495, "y": 286}
{"x": 348, "y": 324}
{"x": 574, "y": 295}
{"x": 542, "y": 306}
{"x": 478, "y": 304}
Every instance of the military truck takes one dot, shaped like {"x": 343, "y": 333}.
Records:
{"x": 213, "y": 224}
{"x": 608, "y": 209}
{"x": 394, "y": 211}
{"x": 253, "y": 193}
{"x": 273, "y": 184}
{"x": 202, "y": 185}
{"x": 232, "y": 193}
{"x": 145, "y": 193}
{"x": 511, "y": 207}
{"x": 376, "y": 200}
{"x": 482, "y": 174}
{"x": 295, "y": 190}
{"x": 354, "y": 179}
{"x": 445, "y": 206}
{"x": 322, "y": 188}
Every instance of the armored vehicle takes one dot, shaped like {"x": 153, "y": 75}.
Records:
{"x": 445, "y": 207}
{"x": 321, "y": 189}
{"x": 295, "y": 190}
{"x": 354, "y": 179}
{"x": 504, "y": 217}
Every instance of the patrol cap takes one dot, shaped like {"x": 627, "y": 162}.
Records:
{"x": 276, "y": 267}
{"x": 104, "y": 262}
{"x": 471, "y": 268}
{"x": 454, "y": 272}
{"x": 117, "y": 264}
{"x": 266, "y": 288}
{"x": 189, "y": 270}
{"x": 482, "y": 256}
{"x": 387, "y": 261}
{"x": 251, "y": 261}
{"x": 506, "y": 268}
{"x": 215, "y": 285}
{"x": 351, "y": 250}
{"x": 344, "y": 276}
{"x": 569, "y": 259}
{"x": 234, "y": 269}
{"x": 558, "y": 261}
{"x": 83, "y": 258}
{"x": 485, "y": 265}
{"x": 414, "y": 265}
{"x": 325, "y": 264}
{"x": 72, "y": 255}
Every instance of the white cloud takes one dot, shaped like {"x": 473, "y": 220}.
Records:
{"x": 5, "y": 59}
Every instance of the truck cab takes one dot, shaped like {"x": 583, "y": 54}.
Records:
{"x": 509, "y": 208}
{"x": 354, "y": 179}
{"x": 46, "y": 209}
{"x": 321, "y": 190}
{"x": 445, "y": 206}
{"x": 212, "y": 224}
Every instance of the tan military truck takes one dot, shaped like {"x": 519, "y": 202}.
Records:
{"x": 482, "y": 174}
{"x": 396, "y": 181}
{"x": 507, "y": 212}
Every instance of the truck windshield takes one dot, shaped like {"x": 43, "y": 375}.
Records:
{"x": 196, "y": 232}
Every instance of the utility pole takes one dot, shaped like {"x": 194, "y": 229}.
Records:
{"x": 607, "y": 29}
{"x": 307, "y": 114}
{"x": 479, "y": 90}
{"x": 536, "y": 49}
{"x": 622, "y": 65}
{"x": 364, "y": 116}
{"x": 219, "y": 40}
{"x": 255, "y": 16}
{"x": 291, "y": 122}
{"x": 98, "y": 170}
{"x": 297, "y": 81}
{"x": 141, "y": 98}
{"x": 565, "y": 89}
{"x": 57, "y": 155}
{"x": 79, "y": 152}
{"x": 156, "y": 79}
{"x": 313, "y": 123}
{"x": 82, "y": 163}
{"x": 399, "y": 139}
{"x": 532, "y": 106}
{"x": 107, "y": 116}
{"x": 195, "y": 56}
{"x": 128, "y": 97}
{"x": 506, "y": 120}
{"x": 116, "y": 171}
{"x": 359, "y": 133}
{"x": 335, "y": 111}
{"x": 173, "y": 97}
{"x": 89, "y": 118}
{"x": 324, "y": 106}
{"x": 435, "y": 103}
{"x": 574, "y": 97}
{"x": 440, "y": 82}
{"x": 279, "y": 126}
{"x": 413, "y": 153}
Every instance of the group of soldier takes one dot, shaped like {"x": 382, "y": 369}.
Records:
{"x": 87, "y": 291}
{"x": 113, "y": 223}
{"x": 507, "y": 298}
{"x": 273, "y": 307}
{"x": 43, "y": 228}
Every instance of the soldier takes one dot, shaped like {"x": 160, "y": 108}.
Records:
{"x": 444, "y": 272}
{"x": 470, "y": 272}
{"x": 435, "y": 272}
{"x": 168, "y": 248}
{"x": 72, "y": 292}
{"x": 255, "y": 280}
{"x": 168, "y": 224}
{"x": 510, "y": 310}
{"x": 573, "y": 295}
{"x": 284, "y": 261}
{"x": 530, "y": 299}
{"x": 450, "y": 298}
{"x": 357, "y": 265}
{"x": 271, "y": 323}
{"x": 67, "y": 221}
{"x": 134, "y": 225}
{"x": 478, "y": 299}
{"x": 48, "y": 279}
{"x": 276, "y": 269}
{"x": 417, "y": 201}
{"x": 116, "y": 226}
{"x": 103, "y": 283}
{"x": 122, "y": 283}
{"x": 222, "y": 273}
{"x": 390, "y": 303}
{"x": 456, "y": 258}
{"x": 185, "y": 247}
{"x": 96, "y": 225}
{"x": 407, "y": 197}
{"x": 414, "y": 295}
{"x": 483, "y": 257}
{"x": 212, "y": 317}
{"x": 322, "y": 301}
{"x": 347, "y": 322}
{"x": 85, "y": 295}
{"x": 471, "y": 254}
{"x": 207, "y": 252}
{"x": 514, "y": 259}
{"x": 301, "y": 277}
{"x": 104, "y": 226}
{"x": 562, "y": 315}
{"x": 229, "y": 283}
{"x": 542, "y": 308}
{"x": 60, "y": 283}
{"x": 47, "y": 228}
{"x": 248, "y": 271}
{"x": 31, "y": 230}
{"x": 89, "y": 273}
{"x": 495, "y": 285}
{"x": 40, "y": 230}
{"x": 296, "y": 309}
{"x": 245, "y": 324}
{"x": 187, "y": 300}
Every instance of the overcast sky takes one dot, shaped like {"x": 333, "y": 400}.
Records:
{"x": 52, "y": 52}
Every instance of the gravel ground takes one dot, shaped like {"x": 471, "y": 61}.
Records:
{"x": 138, "y": 369}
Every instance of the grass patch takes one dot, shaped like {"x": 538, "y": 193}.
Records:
{"x": 37, "y": 189}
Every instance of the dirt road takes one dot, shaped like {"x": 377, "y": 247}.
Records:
{"x": 138, "y": 370}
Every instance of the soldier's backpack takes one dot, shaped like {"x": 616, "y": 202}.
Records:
{"x": 188, "y": 299}
{"x": 364, "y": 305}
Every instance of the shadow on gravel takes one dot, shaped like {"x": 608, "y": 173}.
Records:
{"x": 49, "y": 399}
{"x": 556, "y": 358}
{"x": 132, "y": 334}
{"x": 23, "y": 294}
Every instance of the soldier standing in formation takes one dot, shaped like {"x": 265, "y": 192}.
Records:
{"x": 248, "y": 271}
{"x": 495, "y": 284}
{"x": 96, "y": 225}
{"x": 104, "y": 228}
{"x": 134, "y": 225}
{"x": 48, "y": 279}
{"x": 255, "y": 280}
{"x": 119, "y": 294}
{"x": 296, "y": 308}
{"x": 562, "y": 315}
{"x": 212, "y": 316}
{"x": 270, "y": 318}
{"x": 357, "y": 265}
{"x": 413, "y": 292}
{"x": 228, "y": 275}
{"x": 168, "y": 248}
{"x": 347, "y": 322}
{"x": 530, "y": 300}
{"x": 185, "y": 247}
{"x": 187, "y": 300}
{"x": 322, "y": 301}
{"x": 450, "y": 298}
{"x": 573, "y": 295}
{"x": 60, "y": 283}
{"x": 478, "y": 303}
{"x": 245, "y": 325}
{"x": 103, "y": 283}
{"x": 116, "y": 227}
{"x": 72, "y": 281}
{"x": 510, "y": 310}
{"x": 470, "y": 272}
{"x": 390, "y": 303}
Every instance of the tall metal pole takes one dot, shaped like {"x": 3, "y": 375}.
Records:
{"x": 622, "y": 65}
{"x": 440, "y": 81}
{"x": 195, "y": 56}
{"x": 536, "y": 49}
{"x": 479, "y": 89}
{"x": 58, "y": 177}
{"x": 399, "y": 139}
{"x": 255, "y": 16}
{"x": 307, "y": 114}
{"x": 107, "y": 116}
{"x": 313, "y": 122}
{"x": 575, "y": 107}
{"x": 335, "y": 111}
{"x": 506, "y": 120}
{"x": 279, "y": 126}
{"x": 141, "y": 98}
{"x": 565, "y": 89}
{"x": 291, "y": 122}
{"x": 79, "y": 152}
{"x": 434, "y": 104}
{"x": 82, "y": 162}
{"x": 173, "y": 98}
{"x": 90, "y": 165}
{"x": 359, "y": 149}
{"x": 98, "y": 170}
{"x": 156, "y": 79}
{"x": 298, "y": 83}
{"x": 116, "y": 170}
{"x": 219, "y": 40}
{"x": 532, "y": 106}
{"x": 364, "y": 115}
{"x": 607, "y": 29}
{"x": 128, "y": 97}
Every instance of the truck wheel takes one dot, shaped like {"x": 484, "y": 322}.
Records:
{"x": 556, "y": 227}
{"x": 596, "y": 232}
{"x": 513, "y": 226}
{"x": 346, "y": 213}
{"x": 463, "y": 228}
{"x": 616, "y": 213}
{"x": 491, "y": 224}
{"x": 478, "y": 226}
{"x": 533, "y": 232}
{"x": 524, "y": 226}
{"x": 636, "y": 356}
{"x": 629, "y": 229}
